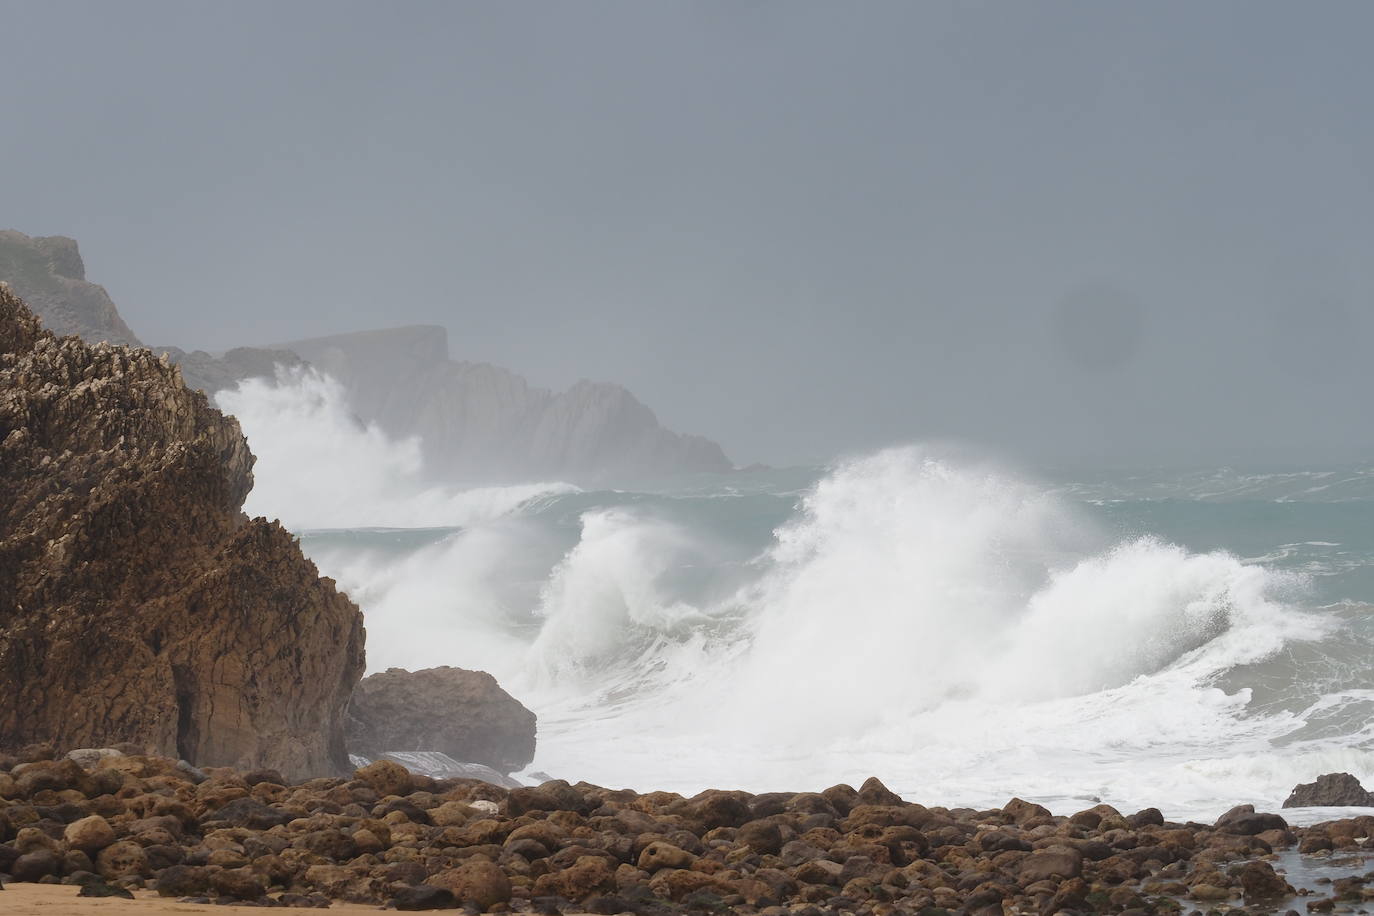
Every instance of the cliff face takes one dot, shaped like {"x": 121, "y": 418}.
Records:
{"x": 137, "y": 602}
{"x": 48, "y": 274}
{"x": 482, "y": 423}
{"x": 477, "y": 423}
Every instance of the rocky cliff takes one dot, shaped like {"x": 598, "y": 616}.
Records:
{"x": 47, "y": 273}
{"x": 477, "y": 423}
{"x": 137, "y": 602}
{"x": 481, "y": 423}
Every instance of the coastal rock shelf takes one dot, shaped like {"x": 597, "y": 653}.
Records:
{"x": 137, "y": 602}
{"x": 387, "y": 836}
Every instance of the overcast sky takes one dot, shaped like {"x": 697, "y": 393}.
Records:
{"x": 1072, "y": 232}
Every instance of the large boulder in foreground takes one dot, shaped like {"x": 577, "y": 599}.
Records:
{"x": 1331, "y": 790}
{"x": 464, "y": 714}
{"x": 137, "y": 602}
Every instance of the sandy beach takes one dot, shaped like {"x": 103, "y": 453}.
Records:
{"x": 62, "y": 900}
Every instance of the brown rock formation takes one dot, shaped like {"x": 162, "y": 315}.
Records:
{"x": 463, "y": 714}
{"x": 137, "y": 601}
{"x": 1330, "y": 790}
{"x": 48, "y": 274}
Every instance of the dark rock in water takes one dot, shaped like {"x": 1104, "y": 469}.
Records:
{"x": 1243, "y": 820}
{"x": 1259, "y": 881}
{"x": 1330, "y": 790}
{"x": 462, "y": 714}
{"x": 137, "y": 602}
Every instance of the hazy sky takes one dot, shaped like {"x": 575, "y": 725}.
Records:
{"x": 1074, "y": 232}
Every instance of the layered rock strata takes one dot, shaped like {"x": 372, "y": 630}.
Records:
{"x": 463, "y": 714}
{"x": 137, "y": 601}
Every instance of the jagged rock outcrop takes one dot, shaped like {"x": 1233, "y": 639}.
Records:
{"x": 47, "y": 272}
{"x": 481, "y": 423}
{"x": 1330, "y": 790}
{"x": 477, "y": 423}
{"x": 464, "y": 714}
{"x": 137, "y": 602}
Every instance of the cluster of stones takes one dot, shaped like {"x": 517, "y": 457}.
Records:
{"x": 113, "y": 821}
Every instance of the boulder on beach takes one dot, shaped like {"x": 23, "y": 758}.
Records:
{"x": 1330, "y": 790}
{"x": 462, "y": 714}
{"x": 137, "y": 602}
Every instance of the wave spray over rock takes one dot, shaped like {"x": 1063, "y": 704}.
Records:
{"x": 963, "y": 631}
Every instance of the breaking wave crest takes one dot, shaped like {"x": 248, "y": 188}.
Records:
{"x": 963, "y": 632}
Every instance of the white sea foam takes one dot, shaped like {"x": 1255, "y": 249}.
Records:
{"x": 962, "y": 632}
{"x": 320, "y": 467}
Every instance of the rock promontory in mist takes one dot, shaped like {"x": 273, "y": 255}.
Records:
{"x": 47, "y": 272}
{"x": 137, "y": 602}
{"x": 477, "y": 423}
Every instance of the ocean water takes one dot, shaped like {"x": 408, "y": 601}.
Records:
{"x": 965, "y": 631}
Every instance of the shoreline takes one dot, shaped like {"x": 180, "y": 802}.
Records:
{"x": 63, "y": 900}
{"x": 387, "y": 837}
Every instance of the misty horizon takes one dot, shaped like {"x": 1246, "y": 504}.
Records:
{"x": 1068, "y": 235}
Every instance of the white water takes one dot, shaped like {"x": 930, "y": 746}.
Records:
{"x": 320, "y": 467}
{"x": 953, "y": 628}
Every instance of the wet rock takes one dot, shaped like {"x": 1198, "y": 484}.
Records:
{"x": 664, "y": 855}
{"x": 478, "y": 882}
{"x": 124, "y": 859}
{"x": 386, "y": 777}
{"x": 1331, "y": 789}
{"x": 1259, "y": 882}
{"x": 763, "y": 837}
{"x": 873, "y": 792}
{"x": 35, "y": 866}
{"x": 424, "y": 897}
{"x": 463, "y": 714}
{"x": 1023, "y": 812}
{"x": 1054, "y": 862}
{"x": 264, "y": 774}
{"x": 246, "y": 812}
{"x": 1244, "y": 821}
{"x": 237, "y": 883}
{"x": 101, "y": 889}
{"x": 587, "y": 875}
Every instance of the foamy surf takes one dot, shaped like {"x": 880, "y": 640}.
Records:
{"x": 964, "y": 632}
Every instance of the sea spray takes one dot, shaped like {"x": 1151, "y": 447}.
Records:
{"x": 961, "y": 630}
{"x": 318, "y": 466}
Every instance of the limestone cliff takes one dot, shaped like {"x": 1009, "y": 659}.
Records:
{"x": 137, "y": 601}
{"x": 48, "y": 274}
{"x": 479, "y": 422}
